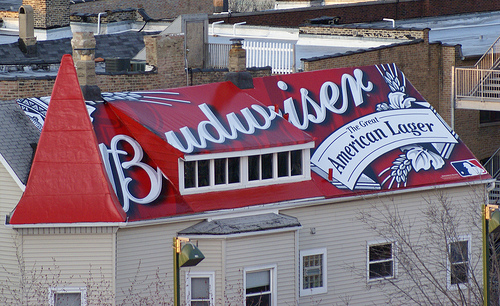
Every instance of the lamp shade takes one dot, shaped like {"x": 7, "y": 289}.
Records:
{"x": 190, "y": 256}
{"x": 494, "y": 222}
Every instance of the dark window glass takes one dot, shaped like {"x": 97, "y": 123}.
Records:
{"x": 189, "y": 174}
{"x": 233, "y": 167}
{"x": 489, "y": 116}
{"x": 380, "y": 261}
{"x": 296, "y": 161}
{"x": 283, "y": 164}
{"x": 380, "y": 252}
{"x": 203, "y": 173}
{"x": 459, "y": 262}
{"x": 267, "y": 166}
{"x": 220, "y": 171}
{"x": 253, "y": 167}
{"x": 258, "y": 288}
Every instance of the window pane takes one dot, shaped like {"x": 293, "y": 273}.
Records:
{"x": 267, "y": 166}
{"x": 220, "y": 171}
{"x": 258, "y": 279}
{"x": 381, "y": 269}
{"x": 259, "y": 300}
{"x": 283, "y": 164}
{"x": 253, "y": 167}
{"x": 189, "y": 174}
{"x": 381, "y": 252}
{"x": 459, "y": 251}
{"x": 200, "y": 288}
{"x": 312, "y": 271}
{"x": 67, "y": 299}
{"x": 296, "y": 161}
{"x": 459, "y": 273}
{"x": 203, "y": 173}
{"x": 233, "y": 167}
{"x": 199, "y": 303}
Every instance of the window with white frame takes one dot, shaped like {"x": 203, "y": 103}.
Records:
{"x": 381, "y": 263}
{"x": 458, "y": 261}
{"x": 313, "y": 272}
{"x": 220, "y": 171}
{"x": 260, "y": 286}
{"x": 200, "y": 290}
{"x": 71, "y": 296}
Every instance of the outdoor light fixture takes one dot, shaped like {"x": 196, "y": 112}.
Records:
{"x": 186, "y": 256}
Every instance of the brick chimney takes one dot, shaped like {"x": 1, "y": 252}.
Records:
{"x": 50, "y": 14}
{"x": 238, "y": 65}
{"x": 83, "y": 44}
{"x": 27, "y": 39}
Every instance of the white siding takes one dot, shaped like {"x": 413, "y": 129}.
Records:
{"x": 262, "y": 250}
{"x": 339, "y": 229}
{"x": 10, "y": 193}
{"x": 144, "y": 268}
{"x": 74, "y": 259}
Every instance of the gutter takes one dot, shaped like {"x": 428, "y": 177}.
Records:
{"x": 250, "y": 209}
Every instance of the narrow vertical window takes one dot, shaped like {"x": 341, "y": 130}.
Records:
{"x": 296, "y": 162}
{"x": 283, "y": 164}
{"x": 203, "y": 173}
{"x": 459, "y": 262}
{"x": 313, "y": 268}
{"x": 220, "y": 171}
{"x": 189, "y": 174}
{"x": 253, "y": 168}
{"x": 233, "y": 169}
{"x": 267, "y": 166}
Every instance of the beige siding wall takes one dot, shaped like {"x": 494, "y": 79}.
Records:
{"x": 262, "y": 250}
{"x": 10, "y": 193}
{"x": 338, "y": 228}
{"x": 69, "y": 257}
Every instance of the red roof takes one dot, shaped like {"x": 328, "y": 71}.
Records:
{"x": 67, "y": 182}
{"x": 372, "y": 132}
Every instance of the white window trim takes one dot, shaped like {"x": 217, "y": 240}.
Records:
{"x": 211, "y": 279}
{"x": 274, "y": 293}
{"x": 448, "y": 263}
{"x": 318, "y": 290}
{"x": 81, "y": 290}
{"x": 394, "y": 261}
{"x": 244, "y": 182}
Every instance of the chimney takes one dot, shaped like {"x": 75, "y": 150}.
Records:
{"x": 238, "y": 65}
{"x": 27, "y": 39}
{"x": 50, "y": 14}
{"x": 83, "y": 44}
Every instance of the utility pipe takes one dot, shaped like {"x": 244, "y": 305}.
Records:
{"x": 391, "y": 20}
{"x": 234, "y": 26}
{"x": 217, "y": 22}
{"x": 99, "y": 22}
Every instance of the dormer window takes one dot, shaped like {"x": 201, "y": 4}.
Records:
{"x": 240, "y": 169}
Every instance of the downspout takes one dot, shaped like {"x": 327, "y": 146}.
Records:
{"x": 99, "y": 22}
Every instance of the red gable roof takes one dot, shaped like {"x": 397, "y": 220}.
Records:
{"x": 67, "y": 182}
{"x": 371, "y": 130}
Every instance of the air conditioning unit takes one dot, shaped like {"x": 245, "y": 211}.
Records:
{"x": 116, "y": 64}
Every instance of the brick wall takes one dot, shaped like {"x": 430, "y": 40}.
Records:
{"x": 50, "y": 13}
{"x": 366, "y": 12}
{"x": 154, "y": 8}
